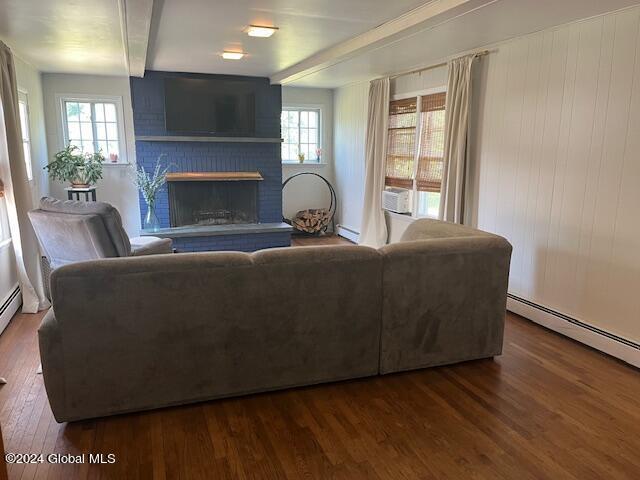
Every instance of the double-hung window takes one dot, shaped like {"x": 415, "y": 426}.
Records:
{"x": 415, "y": 150}
{"x": 23, "y": 109}
{"x": 94, "y": 125}
{"x": 301, "y": 134}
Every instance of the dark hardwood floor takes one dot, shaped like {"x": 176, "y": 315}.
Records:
{"x": 310, "y": 241}
{"x": 547, "y": 408}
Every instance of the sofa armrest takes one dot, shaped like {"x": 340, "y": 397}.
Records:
{"x": 52, "y": 359}
{"x": 150, "y": 246}
{"x": 444, "y": 301}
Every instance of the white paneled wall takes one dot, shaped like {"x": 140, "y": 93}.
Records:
{"x": 350, "y": 122}
{"x": 558, "y": 151}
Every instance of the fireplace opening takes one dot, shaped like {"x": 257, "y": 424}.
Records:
{"x": 212, "y": 202}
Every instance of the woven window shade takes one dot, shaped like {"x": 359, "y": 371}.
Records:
{"x": 401, "y": 143}
{"x": 431, "y": 155}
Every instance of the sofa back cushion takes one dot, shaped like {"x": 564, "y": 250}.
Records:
{"x": 146, "y": 332}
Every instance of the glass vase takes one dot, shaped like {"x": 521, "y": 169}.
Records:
{"x": 151, "y": 222}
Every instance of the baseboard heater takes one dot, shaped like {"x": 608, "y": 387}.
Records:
{"x": 348, "y": 233}
{"x": 607, "y": 342}
{"x": 9, "y": 307}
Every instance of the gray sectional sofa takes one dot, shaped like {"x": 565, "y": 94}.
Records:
{"x": 137, "y": 333}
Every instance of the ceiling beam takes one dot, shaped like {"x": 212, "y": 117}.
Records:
{"x": 352, "y": 47}
{"x": 135, "y": 25}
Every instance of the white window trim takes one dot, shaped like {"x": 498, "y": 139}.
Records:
{"x": 307, "y": 107}
{"x": 23, "y": 96}
{"x": 416, "y": 154}
{"x": 61, "y": 98}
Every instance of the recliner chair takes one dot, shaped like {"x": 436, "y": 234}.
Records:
{"x": 73, "y": 231}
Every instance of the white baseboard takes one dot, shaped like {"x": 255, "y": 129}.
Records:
{"x": 622, "y": 349}
{"x": 348, "y": 233}
{"x": 9, "y": 306}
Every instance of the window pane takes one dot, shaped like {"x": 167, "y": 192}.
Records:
{"x": 110, "y": 112}
{"x": 112, "y": 131}
{"x": 428, "y": 204}
{"x": 99, "y": 108}
{"x": 5, "y": 234}
{"x": 431, "y": 158}
{"x": 101, "y": 131}
{"x": 293, "y": 118}
{"x": 73, "y": 111}
{"x": 304, "y": 135}
{"x": 87, "y": 147}
{"x": 304, "y": 119}
{"x": 284, "y": 119}
{"x": 84, "y": 112}
{"x": 313, "y": 135}
{"x": 27, "y": 159}
{"x": 401, "y": 142}
{"x": 24, "y": 122}
{"x": 103, "y": 146}
{"x": 73, "y": 130}
{"x": 313, "y": 119}
{"x": 87, "y": 131}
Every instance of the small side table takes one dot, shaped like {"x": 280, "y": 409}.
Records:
{"x": 76, "y": 192}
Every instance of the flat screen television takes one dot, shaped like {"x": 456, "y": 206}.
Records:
{"x": 210, "y": 106}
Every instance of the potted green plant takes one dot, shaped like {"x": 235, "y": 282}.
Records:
{"x": 149, "y": 185}
{"x": 80, "y": 169}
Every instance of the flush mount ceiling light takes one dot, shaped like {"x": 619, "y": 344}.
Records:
{"x": 232, "y": 55}
{"x": 258, "y": 31}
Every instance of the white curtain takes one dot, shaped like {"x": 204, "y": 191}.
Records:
{"x": 13, "y": 174}
{"x": 455, "y": 140}
{"x": 373, "y": 229}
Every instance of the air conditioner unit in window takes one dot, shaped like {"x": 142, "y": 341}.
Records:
{"x": 396, "y": 200}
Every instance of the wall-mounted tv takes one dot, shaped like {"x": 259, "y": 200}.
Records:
{"x": 209, "y": 106}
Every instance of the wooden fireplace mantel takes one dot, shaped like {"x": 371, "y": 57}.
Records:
{"x": 214, "y": 177}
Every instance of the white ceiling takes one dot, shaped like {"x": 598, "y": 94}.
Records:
{"x": 432, "y": 42}
{"x": 324, "y": 43}
{"x": 190, "y": 35}
{"x": 79, "y": 36}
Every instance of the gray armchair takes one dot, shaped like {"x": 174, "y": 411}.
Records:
{"x": 74, "y": 231}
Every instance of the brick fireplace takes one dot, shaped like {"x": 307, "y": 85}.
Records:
{"x": 208, "y": 224}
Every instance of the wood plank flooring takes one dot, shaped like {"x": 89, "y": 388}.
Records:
{"x": 548, "y": 408}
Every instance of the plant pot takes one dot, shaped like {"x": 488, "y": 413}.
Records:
{"x": 80, "y": 180}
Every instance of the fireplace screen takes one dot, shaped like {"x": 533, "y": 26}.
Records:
{"x": 212, "y": 202}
